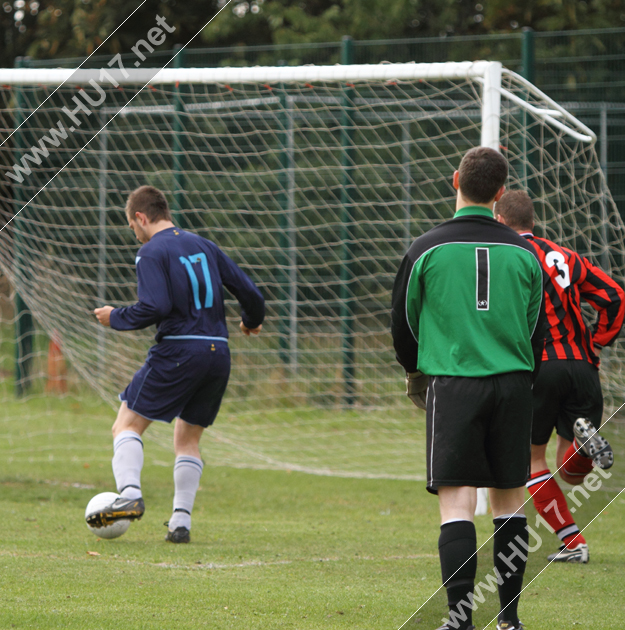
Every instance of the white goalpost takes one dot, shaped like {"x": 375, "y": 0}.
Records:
{"x": 314, "y": 179}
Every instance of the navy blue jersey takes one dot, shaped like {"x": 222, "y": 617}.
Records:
{"x": 180, "y": 280}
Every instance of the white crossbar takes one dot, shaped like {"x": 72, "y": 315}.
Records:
{"x": 309, "y": 74}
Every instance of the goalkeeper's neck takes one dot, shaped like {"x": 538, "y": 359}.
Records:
{"x": 461, "y": 202}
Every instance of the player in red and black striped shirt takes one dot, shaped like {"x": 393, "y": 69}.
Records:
{"x": 567, "y": 392}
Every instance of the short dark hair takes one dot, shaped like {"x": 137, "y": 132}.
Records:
{"x": 150, "y": 201}
{"x": 482, "y": 173}
{"x": 517, "y": 210}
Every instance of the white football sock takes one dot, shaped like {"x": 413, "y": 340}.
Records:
{"x": 127, "y": 464}
{"x": 187, "y": 473}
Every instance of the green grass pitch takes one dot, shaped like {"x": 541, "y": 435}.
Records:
{"x": 270, "y": 549}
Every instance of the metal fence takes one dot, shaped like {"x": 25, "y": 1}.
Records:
{"x": 584, "y": 70}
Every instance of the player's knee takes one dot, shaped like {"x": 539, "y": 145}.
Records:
{"x": 187, "y": 445}
{"x": 507, "y": 501}
{"x": 116, "y": 429}
{"x": 538, "y": 465}
{"x": 570, "y": 479}
{"x": 538, "y": 457}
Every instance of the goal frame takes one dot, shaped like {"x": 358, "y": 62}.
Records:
{"x": 486, "y": 77}
{"x": 488, "y": 73}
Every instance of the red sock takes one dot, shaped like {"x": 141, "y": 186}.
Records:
{"x": 576, "y": 464}
{"x": 551, "y": 505}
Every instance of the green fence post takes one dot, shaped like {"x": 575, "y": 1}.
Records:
{"x": 24, "y": 326}
{"x": 528, "y": 58}
{"x": 347, "y": 232}
{"x": 178, "y": 144}
{"x": 603, "y": 162}
{"x": 288, "y": 292}
{"x": 528, "y": 66}
{"x": 405, "y": 159}
{"x": 102, "y": 233}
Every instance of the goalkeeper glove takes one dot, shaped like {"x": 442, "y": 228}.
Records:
{"x": 417, "y": 387}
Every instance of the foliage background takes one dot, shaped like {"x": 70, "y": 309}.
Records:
{"x": 50, "y": 29}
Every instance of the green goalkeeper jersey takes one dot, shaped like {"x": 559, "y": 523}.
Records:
{"x": 467, "y": 300}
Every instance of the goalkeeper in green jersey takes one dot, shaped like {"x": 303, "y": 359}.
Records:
{"x": 467, "y": 313}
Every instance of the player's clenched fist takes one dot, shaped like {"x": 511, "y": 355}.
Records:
{"x": 246, "y": 331}
{"x": 104, "y": 315}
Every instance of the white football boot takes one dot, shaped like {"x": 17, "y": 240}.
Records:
{"x": 578, "y": 554}
{"x": 592, "y": 445}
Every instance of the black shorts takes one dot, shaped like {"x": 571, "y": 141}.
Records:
{"x": 564, "y": 391}
{"x": 478, "y": 431}
{"x": 181, "y": 378}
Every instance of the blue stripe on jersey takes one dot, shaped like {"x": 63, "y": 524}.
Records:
{"x": 194, "y": 283}
{"x": 195, "y": 337}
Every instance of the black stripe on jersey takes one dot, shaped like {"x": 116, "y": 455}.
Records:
{"x": 482, "y": 281}
{"x": 404, "y": 342}
{"x": 559, "y": 311}
{"x": 613, "y": 298}
{"x": 467, "y": 229}
{"x": 581, "y": 334}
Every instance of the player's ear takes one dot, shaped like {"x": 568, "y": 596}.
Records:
{"x": 500, "y": 193}
{"x": 499, "y": 219}
{"x": 456, "y": 180}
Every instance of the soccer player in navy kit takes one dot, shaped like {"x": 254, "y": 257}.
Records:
{"x": 180, "y": 280}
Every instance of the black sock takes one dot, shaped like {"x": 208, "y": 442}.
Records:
{"x": 511, "y": 566}
{"x": 456, "y": 547}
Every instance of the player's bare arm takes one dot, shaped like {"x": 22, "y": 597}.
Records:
{"x": 104, "y": 315}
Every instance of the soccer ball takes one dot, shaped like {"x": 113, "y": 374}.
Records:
{"x": 115, "y": 530}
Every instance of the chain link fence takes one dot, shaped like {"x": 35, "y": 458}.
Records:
{"x": 583, "y": 70}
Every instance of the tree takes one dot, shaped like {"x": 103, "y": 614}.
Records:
{"x": 75, "y": 28}
{"x": 307, "y": 21}
{"x": 52, "y": 29}
{"x": 17, "y": 21}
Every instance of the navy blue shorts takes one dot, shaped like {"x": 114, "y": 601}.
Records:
{"x": 180, "y": 378}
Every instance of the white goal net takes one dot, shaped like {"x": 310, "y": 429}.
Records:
{"x": 314, "y": 180}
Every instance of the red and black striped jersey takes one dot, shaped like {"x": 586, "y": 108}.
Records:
{"x": 569, "y": 279}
